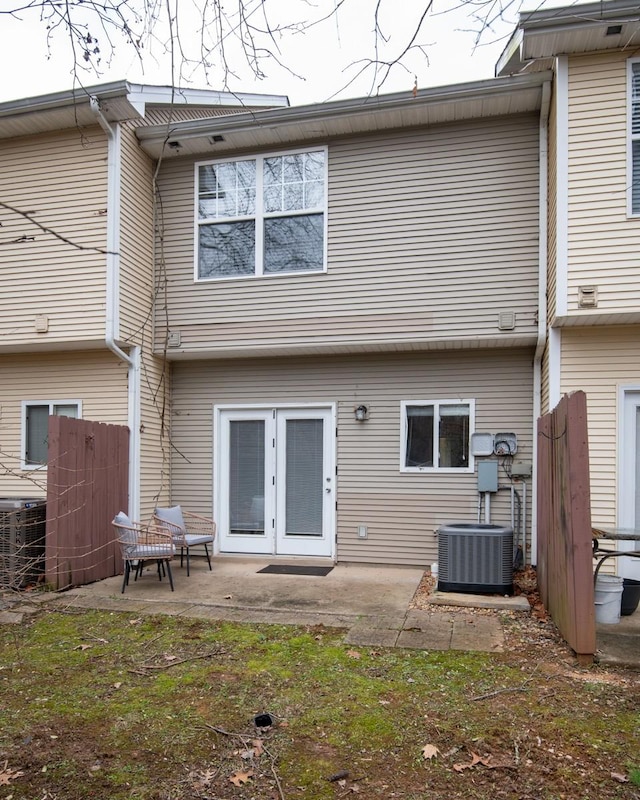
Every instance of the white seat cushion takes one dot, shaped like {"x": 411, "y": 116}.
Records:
{"x": 151, "y": 551}
{"x": 193, "y": 539}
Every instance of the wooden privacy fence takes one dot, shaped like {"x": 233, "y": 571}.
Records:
{"x": 87, "y": 484}
{"x": 565, "y": 572}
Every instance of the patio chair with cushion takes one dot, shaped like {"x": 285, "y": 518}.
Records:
{"x": 140, "y": 544}
{"x": 187, "y": 530}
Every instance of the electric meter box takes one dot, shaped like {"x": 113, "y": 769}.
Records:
{"x": 505, "y": 444}
{"x": 487, "y": 476}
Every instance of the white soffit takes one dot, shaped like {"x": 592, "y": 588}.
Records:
{"x": 570, "y": 30}
{"x": 281, "y": 127}
{"x": 118, "y": 101}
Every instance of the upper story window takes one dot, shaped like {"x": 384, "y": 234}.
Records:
{"x": 261, "y": 216}
{"x": 436, "y": 435}
{"x": 634, "y": 131}
{"x": 35, "y": 428}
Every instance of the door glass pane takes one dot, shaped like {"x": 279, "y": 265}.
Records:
{"x": 246, "y": 477}
{"x": 304, "y": 489}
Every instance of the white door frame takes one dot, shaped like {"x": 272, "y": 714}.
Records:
{"x": 629, "y": 400}
{"x": 267, "y": 545}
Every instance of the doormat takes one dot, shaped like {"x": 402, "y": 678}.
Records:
{"x": 295, "y": 569}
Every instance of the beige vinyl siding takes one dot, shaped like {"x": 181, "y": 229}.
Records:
{"x": 400, "y": 510}
{"x": 154, "y": 436}
{"x": 603, "y": 243}
{"x": 136, "y": 240}
{"x": 599, "y": 361}
{"x": 431, "y": 234}
{"x": 97, "y": 379}
{"x": 60, "y": 181}
{"x": 137, "y": 292}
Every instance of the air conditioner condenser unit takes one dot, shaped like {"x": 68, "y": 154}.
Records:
{"x": 476, "y": 558}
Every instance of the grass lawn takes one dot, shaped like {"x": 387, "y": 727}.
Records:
{"x": 108, "y": 705}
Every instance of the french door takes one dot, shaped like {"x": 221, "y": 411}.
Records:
{"x": 275, "y": 480}
{"x": 629, "y": 478}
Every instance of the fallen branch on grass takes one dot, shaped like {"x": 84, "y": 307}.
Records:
{"x": 144, "y": 669}
{"x": 522, "y": 688}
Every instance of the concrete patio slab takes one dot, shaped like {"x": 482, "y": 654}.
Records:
{"x": 495, "y": 602}
{"x": 371, "y": 603}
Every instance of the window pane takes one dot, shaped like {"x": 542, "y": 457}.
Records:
{"x": 294, "y": 244}
{"x": 635, "y": 98}
{"x": 66, "y": 411}
{"x": 227, "y": 190}
{"x": 635, "y": 181}
{"x": 314, "y": 166}
{"x": 227, "y": 249}
{"x": 454, "y": 436}
{"x": 37, "y": 421}
{"x": 419, "y": 436}
{"x": 313, "y": 194}
{"x": 294, "y": 182}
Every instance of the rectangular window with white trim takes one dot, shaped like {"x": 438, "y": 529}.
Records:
{"x": 35, "y": 428}
{"x": 634, "y": 136}
{"x": 436, "y": 435}
{"x": 261, "y": 216}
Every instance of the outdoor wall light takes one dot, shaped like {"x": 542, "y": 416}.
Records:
{"x": 360, "y": 413}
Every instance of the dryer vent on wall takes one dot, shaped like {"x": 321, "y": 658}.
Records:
{"x": 475, "y": 558}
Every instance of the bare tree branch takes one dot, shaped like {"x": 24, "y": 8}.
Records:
{"x": 28, "y": 215}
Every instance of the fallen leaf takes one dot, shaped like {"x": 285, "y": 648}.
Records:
{"x": 82, "y": 647}
{"x": 475, "y": 759}
{"x": 384, "y": 702}
{"x": 228, "y": 597}
{"x": 117, "y": 685}
{"x": 258, "y": 747}
{"x": 354, "y": 654}
{"x": 430, "y": 751}
{"x": 7, "y": 775}
{"x": 617, "y": 776}
{"x": 239, "y": 778}
{"x": 169, "y": 657}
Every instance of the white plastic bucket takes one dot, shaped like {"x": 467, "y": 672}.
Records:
{"x": 608, "y": 598}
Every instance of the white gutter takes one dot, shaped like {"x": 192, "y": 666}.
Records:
{"x": 542, "y": 306}
{"x": 112, "y": 311}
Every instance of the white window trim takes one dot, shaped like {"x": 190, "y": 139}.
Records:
{"x": 630, "y": 138}
{"x": 436, "y": 405}
{"x": 24, "y": 464}
{"x": 259, "y": 216}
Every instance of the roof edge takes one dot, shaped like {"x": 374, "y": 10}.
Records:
{"x": 138, "y": 96}
{"x": 338, "y": 108}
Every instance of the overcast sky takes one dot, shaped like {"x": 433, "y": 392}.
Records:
{"x": 323, "y": 59}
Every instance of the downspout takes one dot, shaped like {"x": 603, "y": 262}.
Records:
{"x": 542, "y": 306}
{"x": 112, "y": 321}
